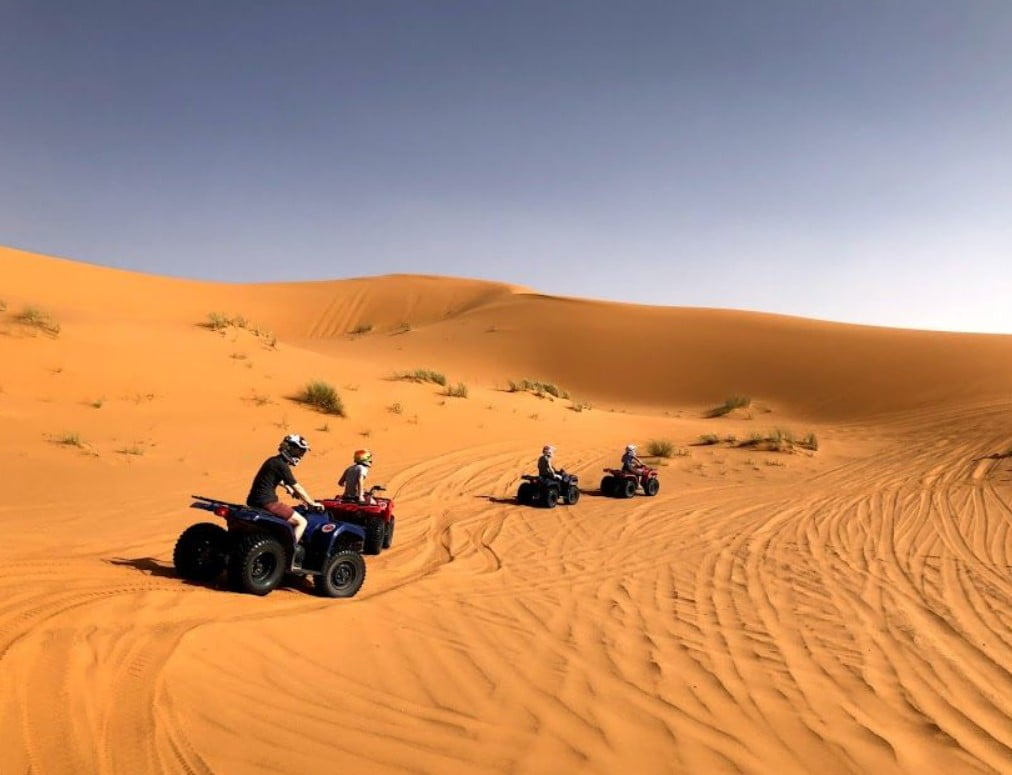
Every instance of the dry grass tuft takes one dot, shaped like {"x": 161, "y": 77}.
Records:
{"x": 732, "y": 403}
{"x": 422, "y": 375}
{"x": 323, "y": 397}
{"x": 33, "y": 317}
{"x": 537, "y": 387}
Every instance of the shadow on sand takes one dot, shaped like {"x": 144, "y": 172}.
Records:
{"x": 149, "y": 566}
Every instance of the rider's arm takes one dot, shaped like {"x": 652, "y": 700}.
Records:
{"x": 300, "y": 491}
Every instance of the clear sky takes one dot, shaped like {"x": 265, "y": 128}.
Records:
{"x": 840, "y": 159}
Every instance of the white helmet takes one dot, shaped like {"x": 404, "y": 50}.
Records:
{"x": 548, "y": 449}
{"x": 292, "y": 448}
{"x": 630, "y": 448}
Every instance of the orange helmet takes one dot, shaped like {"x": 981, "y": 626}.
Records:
{"x": 363, "y": 456}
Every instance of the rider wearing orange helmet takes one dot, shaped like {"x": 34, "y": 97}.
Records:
{"x": 353, "y": 478}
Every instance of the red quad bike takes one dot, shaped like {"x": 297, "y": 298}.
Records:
{"x": 376, "y": 515}
{"x": 623, "y": 484}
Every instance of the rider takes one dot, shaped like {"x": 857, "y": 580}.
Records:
{"x": 277, "y": 470}
{"x": 354, "y": 476}
{"x": 631, "y": 464}
{"x": 545, "y": 468}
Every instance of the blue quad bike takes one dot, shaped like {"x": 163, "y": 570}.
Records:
{"x": 538, "y": 491}
{"x": 256, "y": 549}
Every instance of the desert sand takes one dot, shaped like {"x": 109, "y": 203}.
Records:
{"x": 832, "y": 611}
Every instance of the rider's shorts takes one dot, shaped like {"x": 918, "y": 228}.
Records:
{"x": 279, "y": 509}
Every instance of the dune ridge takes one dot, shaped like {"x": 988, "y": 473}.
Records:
{"x": 845, "y": 610}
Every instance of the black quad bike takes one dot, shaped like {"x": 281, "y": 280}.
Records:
{"x": 540, "y": 491}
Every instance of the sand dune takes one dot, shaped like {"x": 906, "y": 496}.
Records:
{"x": 845, "y": 610}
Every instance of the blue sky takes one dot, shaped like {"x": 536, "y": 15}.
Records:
{"x": 839, "y": 160}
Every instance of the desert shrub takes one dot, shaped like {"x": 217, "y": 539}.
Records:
{"x": 660, "y": 448}
{"x": 731, "y": 403}
{"x": 810, "y": 441}
{"x": 362, "y": 328}
{"x": 456, "y": 391}
{"x": 135, "y": 450}
{"x": 537, "y": 387}
{"x": 37, "y": 318}
{"x": 97, "y": 403}
{"x": 70, "y": 439}
{"x": 323, "y": 397}
{"x": 580, "y": 406}
{"x": 780, "y": 440}
{"x": 422, "y": 375}
{"x": 709, "y": 438}
{"x": 216, "y": 321}
{"x": 403, "y": 328}
{"x": 396, "y": 408}
{"x": 260, "y": 399}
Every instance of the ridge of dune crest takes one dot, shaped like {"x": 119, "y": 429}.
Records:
{"x": 622, "y": 355}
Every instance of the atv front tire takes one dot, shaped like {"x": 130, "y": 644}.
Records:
{"x": 551, "y": 497}
{"x": 342, "y": 576}
{"x": 573, "y": 495}
{"x": 651, "y": 487}
{"x": 200, "y": 552}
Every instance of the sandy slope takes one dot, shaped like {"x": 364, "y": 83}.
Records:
{"x": 843, "y": 611}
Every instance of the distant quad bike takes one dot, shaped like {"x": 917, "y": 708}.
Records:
{"x": 257, "y": 549}
{"x": 375, "y": 516}
{"x": 538, "y": 491}
{"x": 623, "y": 484}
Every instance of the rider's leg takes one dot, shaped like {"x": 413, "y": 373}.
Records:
{"x": 299, "y": 522}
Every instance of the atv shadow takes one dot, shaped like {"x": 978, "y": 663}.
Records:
{"x": 166, "y": 570}
{"x": 148, "y": 565}
{"x": 498, "y": 499}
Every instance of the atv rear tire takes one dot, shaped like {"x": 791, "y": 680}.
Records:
{"x": 375, "y": 532}
{"x": 388, "y": 534}
{"x": 258, "y": 564}
{"x": 626, "y": 488}
{"x": 525, "y": 494}
{"x": 608, "y": 487}
{"x": 342, "y": 576}
{"x": 201, "y": 552}
{"x": 651, "y": 487}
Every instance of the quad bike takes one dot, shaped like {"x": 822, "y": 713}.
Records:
{"x": 623, "y": 484}
{"x": 375, "y": 516}
{"x": 257, "y": 549}
{"x": 540, "y": 491}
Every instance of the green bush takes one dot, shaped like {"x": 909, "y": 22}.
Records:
{"x": 733, "y": 402}
{"x": 37, "y": 318}
{"x": 456, "y": 391}
{"x": 660, "y": 448}
{"x": 537, "y": 387}
{"x": 324, "y": 397}
{"x": 70, "y": 439}
{"x": 422, "y": 375}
